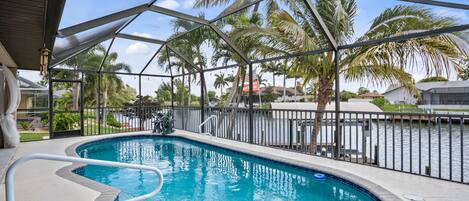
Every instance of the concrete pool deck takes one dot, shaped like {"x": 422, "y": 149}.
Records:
{"x": 38, "y": 180}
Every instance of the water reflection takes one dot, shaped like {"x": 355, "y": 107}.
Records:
{"x": 201, "y": 172}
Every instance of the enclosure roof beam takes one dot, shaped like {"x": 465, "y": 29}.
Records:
{"x": 100, "y": 21}
{"x": 299, "y": 54}
{"x": 153, "y": 57}
{"x": 322, "y": 25}
{"x": 221, "y": 67}
{"x": 223, "y": 15}
{"x": 180, "y": 75}
{"x": 177, "y": 14}
{"x": 230, "y": 43}
{"x": 313, "y": 52}
{"x": 183, "y": 57}
{"x": 440, "y": 4}
{"x": 169, "y": 62}
{"x": 106, "y": 54}
{"x": 410, "y": 36}
{"x": 135, "y": 17}
{"x": 84, "y": 47}
{"x": 220, "y": 16}
{"x": 139, "y": 38}
{"x": 108, "y": 72}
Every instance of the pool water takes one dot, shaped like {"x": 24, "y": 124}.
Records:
{"x": 196, "y": 171}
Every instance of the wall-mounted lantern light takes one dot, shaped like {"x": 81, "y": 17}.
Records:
{"x": 44, "y": 54}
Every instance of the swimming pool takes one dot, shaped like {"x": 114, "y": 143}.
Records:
{"x": 196, "y": 171}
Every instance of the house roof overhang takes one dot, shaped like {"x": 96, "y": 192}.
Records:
{"x": 24, "y": 29}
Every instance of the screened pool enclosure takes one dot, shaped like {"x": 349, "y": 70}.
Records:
{"x": 431, "y": 145}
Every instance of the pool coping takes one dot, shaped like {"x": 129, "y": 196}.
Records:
{"x": 108, "y": 193}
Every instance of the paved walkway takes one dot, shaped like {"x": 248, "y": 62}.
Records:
{"x": 37, "y": 180}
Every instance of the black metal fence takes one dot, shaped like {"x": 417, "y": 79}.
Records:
{"x": 432, "y": 145}
{"x": 120, "y": 119}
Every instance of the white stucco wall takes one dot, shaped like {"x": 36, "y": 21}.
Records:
{"x": 444, "y": 107}
{"x": 400, "y": 95}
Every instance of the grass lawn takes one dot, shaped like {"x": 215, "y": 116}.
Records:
{"x": 400, "y": 108}
{"x": 33, "y": 136}
{"x": 92, "y": 129}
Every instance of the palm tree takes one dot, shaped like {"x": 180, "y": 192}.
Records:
{"x": 191, "y": 45}
{"x": 81, "y": 61}
{"x": 270, "y": 67}
{"x": 112, "y": 83}
{"x": 178, "y": 64}
{"x": 220, "y": 82}
{"x": 225, "y": 54}
{"x": 279, "y": 68}
{"x": 260, "y": 82}
{"x": 383, "y": 63}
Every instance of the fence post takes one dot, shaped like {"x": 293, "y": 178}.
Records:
{"x": 290, "y": 133}
{"x": 140, "y": 113}
{"x": 99, "y": 102}
{"x": 251, "y": 106}
{"x": 202, "y": 100}
{"x": 82, "y": 105}
{"x": 376, "y": 162}
{"x": 337, "y": 103}
{"x": 172, "y": 92}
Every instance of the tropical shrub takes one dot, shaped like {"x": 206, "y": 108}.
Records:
{"x": 112, "y": 121}
{"x": 380, "y": 102}
{"x": 66, "y": 121}
{"x": 433, "y": 79}
{"x": 44, "y": 118}
{"x": 346, "y": 95}
{"x": 25, "y": 125}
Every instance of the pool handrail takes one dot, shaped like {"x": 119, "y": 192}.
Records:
{"x": 9, "y": 179}
{"x": 206, "y": 121}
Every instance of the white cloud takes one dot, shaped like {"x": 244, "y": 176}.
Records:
{"x": 458, "y": 15}
{"x": 141, "y": 34}
{"x": 169, "y": 4}
{"x": 188, "y": 4}
{"x": 137, "y": 48}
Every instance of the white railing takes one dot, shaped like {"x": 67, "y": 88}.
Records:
{"x": 9, "y": 180}
{"x": 206, "y": 121}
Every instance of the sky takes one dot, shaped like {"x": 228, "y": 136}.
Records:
{"x": 158, "y": 26}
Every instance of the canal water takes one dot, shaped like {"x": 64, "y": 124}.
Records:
{"x": 441, "y": 150}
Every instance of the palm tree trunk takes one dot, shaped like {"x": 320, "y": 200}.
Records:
{"x": 324, "y": 93}
{"x": 273, "y": 78}
{"x": 75, "y": 98}
{"x": 256, "y": 7}
{"x": 295, "y": 89}
{"x": 189, "y": 100}
{"x": 97, "y": 105}
{"x": 190, "y": 90}
{"x": 205, "y": 90}
{"x": 284, "y": 87}
{"x": 183, "y": 101}
{"x": 233, "y": 100}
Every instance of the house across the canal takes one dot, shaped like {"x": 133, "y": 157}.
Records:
{"x": 450, "y": 95}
